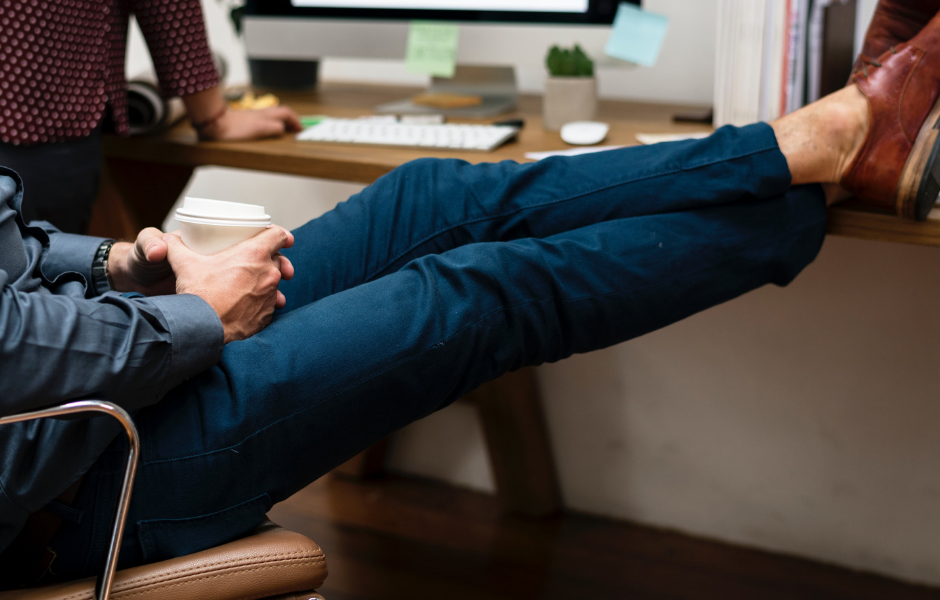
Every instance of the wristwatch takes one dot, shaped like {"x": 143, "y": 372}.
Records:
{"x": 100, "y": 276}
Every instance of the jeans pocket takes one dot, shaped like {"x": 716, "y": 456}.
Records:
{"x": 161, "y": 539}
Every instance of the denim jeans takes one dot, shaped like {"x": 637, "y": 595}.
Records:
{"x": 436, "y": 279}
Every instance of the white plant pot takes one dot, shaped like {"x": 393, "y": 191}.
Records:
{"x": 568, "y": 99}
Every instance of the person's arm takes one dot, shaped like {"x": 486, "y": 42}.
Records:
{"x": 192, "y": 75}
{"x": 133, "y": 267}
{"x": 131, "y": 350}
{"x": 68, "y": 253}
{"x": 55, "y": 348}
{"x": 61, "y": 341}
{"x": 213, "y": 121}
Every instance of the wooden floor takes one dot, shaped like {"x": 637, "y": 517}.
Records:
{"x": 402, "y": 538}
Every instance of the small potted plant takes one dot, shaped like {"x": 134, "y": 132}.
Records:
{"x": 570, "y": 89}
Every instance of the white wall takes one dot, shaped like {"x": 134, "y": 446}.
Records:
{"x": 804, "y": 420}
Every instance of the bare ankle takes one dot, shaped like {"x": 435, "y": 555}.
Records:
{"x": 850, "y": 116}
{"x": 821, "y": 140}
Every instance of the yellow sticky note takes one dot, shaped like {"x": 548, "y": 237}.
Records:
{"x": 432, "y": 48}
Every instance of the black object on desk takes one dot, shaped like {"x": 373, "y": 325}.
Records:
{"x": 517, "y": 123}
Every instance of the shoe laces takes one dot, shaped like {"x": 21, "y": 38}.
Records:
{"x": 869, "y": 62}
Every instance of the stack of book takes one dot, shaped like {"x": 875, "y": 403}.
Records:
{"x": 774, "y": 56}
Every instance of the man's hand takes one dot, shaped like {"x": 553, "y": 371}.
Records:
{"x": 209, "y": 108}
{"x": 239, "y": 283}
{"x": 142, "y": 266}
{"x": 252, "y": 124}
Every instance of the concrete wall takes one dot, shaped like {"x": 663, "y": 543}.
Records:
{"x": 803, "y": 420}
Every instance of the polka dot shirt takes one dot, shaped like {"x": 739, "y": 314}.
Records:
{"x": 62, "y": 62}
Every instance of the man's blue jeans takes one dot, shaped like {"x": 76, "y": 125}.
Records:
{"x": 438, "y": 278}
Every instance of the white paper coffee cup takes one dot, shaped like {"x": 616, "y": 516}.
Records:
{"x": 209, "y": 226}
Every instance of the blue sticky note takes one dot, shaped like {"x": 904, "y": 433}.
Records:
{"x": 637, "y": 35}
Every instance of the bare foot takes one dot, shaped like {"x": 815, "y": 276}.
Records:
{"x": 821, "y": 140}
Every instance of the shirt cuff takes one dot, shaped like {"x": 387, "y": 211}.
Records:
{"x": 196, "y": 336}
{"x": 70, "y": 253}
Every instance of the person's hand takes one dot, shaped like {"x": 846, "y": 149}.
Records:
{"x": 237, "y": 125}
{"x": 142, "y": 266}
{"x": 239, "y": 283}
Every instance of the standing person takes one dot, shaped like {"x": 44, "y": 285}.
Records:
{"x": 62, "y": 83}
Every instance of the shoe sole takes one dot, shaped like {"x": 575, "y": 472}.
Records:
{"x": 919, "y": 185}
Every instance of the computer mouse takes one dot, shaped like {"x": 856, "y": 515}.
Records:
{"x": 584, "y": 133}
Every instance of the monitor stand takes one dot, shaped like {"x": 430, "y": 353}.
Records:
{"x": 495, "y": 85}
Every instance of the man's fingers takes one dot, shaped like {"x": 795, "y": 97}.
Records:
{"x": 281, "y": 300}
{"x": 175, "y": 248}
{"x": 285, "y": 267}
{"x": 266, "y": 125}
{"x": 290, "y": 119}
{"x": 285, "y": 115}
{"x": 274, "y": 239}
{"x": 150, "y": 245}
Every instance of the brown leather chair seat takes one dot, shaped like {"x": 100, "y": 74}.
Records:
{"x": 272, "y": 562}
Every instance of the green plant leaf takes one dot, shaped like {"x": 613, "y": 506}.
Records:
{"x": 569, "y": 63}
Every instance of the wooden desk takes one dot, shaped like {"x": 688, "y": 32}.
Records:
{"x": 167, "y": 160}
{"x": 151, "y": 172}
{"x": 173, "y": 156}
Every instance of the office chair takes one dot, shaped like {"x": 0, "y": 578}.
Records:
{"x": 271, "y": 563}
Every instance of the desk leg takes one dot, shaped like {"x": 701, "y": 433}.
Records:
{"x": 518, "y": 445}
{"x": 134, "y": 195}
{"x": 366, "y": 464}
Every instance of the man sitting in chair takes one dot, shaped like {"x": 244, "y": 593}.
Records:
{"x": 254, "y": 371}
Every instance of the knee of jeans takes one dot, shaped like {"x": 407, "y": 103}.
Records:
{"x": 428, "y": 172}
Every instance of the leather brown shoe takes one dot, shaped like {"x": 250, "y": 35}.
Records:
{"x": 894, "y": 22}
{"x": 898, "y": 166}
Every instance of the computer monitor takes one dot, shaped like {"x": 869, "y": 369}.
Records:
{"x": 498, "y": 34}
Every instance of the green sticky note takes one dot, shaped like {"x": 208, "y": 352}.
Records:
{"x": 311, "y": 120}
{"x": 432, "y": 49}
{"x": 637, "y": 35}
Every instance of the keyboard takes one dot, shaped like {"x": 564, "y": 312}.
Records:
{"x": 382, "y": 133}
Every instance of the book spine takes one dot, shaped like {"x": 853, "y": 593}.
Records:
{"x": 785, "y": 75}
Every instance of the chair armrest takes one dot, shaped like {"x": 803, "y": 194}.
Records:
{"x": 103, "y": 587}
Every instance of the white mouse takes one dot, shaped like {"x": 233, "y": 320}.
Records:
{"x": 584, "y": 133}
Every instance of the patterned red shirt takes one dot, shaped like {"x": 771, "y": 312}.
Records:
{"x": 62, "y": 62}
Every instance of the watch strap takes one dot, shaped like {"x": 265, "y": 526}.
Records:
{"x": 100, "y": 276}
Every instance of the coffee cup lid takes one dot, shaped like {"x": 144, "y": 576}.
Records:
{"x": 204, "y": 209}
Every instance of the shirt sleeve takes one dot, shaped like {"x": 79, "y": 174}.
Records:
{"x": 176, "y": 36}
{"x": 131, "y": 351}
{"x": 68, "y": 252}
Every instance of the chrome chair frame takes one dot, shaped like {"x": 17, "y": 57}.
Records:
{"x": 106, "y": 580}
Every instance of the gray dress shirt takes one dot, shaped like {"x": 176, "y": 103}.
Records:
{"x": 59, "y": 342}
